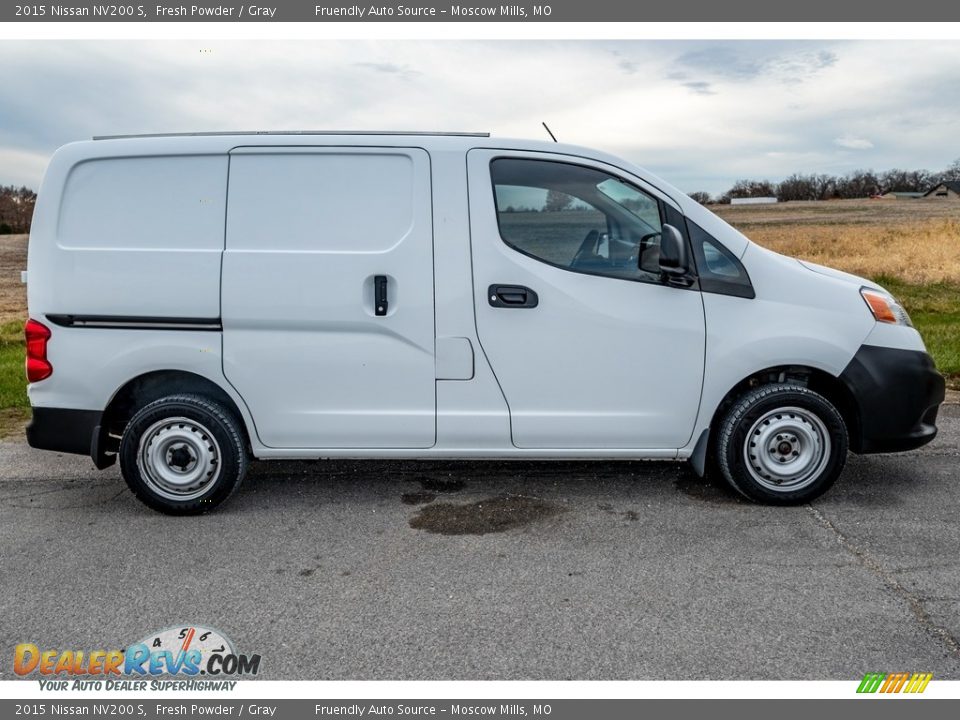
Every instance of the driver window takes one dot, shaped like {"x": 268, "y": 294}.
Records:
{"x": 577, "y": 218}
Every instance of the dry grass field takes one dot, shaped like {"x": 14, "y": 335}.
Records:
{"x": 915, "y": 241}
{"x": 912, "y": 247}
{"x": 13, "y": 310}
{"x": 13, "y": 293}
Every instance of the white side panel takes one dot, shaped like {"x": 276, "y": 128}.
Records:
{"x": 140, "y": 236}
{"x": 798, "y": 317}
{"x": 308, "y": 229}
{"x": 91, "y": 364}
{"x": 472, "y": 415}
{"x": 600, "y": 362}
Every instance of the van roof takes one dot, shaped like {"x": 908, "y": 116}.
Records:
{"x": 225, "y": 143}
{"x": 292, "y": 132}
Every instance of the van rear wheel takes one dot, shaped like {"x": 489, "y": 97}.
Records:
{"x": 183, "y": 454}
{"x": 781, "y": 445}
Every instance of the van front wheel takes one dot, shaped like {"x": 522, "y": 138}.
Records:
{"x": 183, "y": 454}
{"x": 781, "y": 445}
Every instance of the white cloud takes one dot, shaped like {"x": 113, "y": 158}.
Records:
{"x": 21, "y": 167}
{"x": 700, "y": 113}
{"x": 852, "y": 142}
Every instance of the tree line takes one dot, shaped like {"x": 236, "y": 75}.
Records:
{"x": 16, "y": 203}
{"x": 855, "y": 184}
{"x": 16, "y": 209}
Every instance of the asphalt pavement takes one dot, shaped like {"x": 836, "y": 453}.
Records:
{"x": 496, "y": 570}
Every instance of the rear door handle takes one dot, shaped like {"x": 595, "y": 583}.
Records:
{"x": 512, "y": 296}
{"x": 380, "y": 295}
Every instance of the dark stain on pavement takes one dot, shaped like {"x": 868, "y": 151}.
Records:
{"x": 417, "y": 498}
{"x": 441, "y": 485}
{"x": 491, "y": 515}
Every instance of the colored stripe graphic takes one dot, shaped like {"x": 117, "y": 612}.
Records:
{"x": 921, "y": 683}
{"x": 894, "y": 682}
{"x": 871, "y": 682}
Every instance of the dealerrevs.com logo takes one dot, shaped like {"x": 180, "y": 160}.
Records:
{"x": 185, "y": 652}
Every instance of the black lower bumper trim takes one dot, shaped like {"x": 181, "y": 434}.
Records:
{"x": 63, "y": 430}
{"x": 898, "y": 394}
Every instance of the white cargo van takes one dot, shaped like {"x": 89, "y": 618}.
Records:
{"x": 198, "y": 301}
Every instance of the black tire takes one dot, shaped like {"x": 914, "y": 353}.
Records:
{"x": 797, "y": 448}
{"x": 183, "y": 454}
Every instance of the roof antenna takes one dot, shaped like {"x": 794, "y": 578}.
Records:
{"x": 548, "y": 131}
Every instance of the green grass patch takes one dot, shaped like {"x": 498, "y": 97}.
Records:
{"x": 14, "y": 405}
{"x": 935, "y": 311}
{"x": 13, "y": 381}
{"x": 941, "y": 333}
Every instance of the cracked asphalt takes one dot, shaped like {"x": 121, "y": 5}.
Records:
{"x": 491, "y": 570}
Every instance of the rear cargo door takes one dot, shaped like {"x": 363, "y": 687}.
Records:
{"x": 309, "y": 232}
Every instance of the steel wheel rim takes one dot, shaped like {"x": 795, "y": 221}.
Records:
{"x": 178, "y": 458}
{"x": 787, "y": 449}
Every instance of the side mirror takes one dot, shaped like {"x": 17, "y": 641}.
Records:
{"x": 674, "y": 266}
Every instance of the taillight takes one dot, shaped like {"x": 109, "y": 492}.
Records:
{"x": 38, "y": 367}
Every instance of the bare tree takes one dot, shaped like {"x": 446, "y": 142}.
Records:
{"x": 951, "y": 174}
{"x": 823, "y": 186}
{"x": 906, "y": 180}
{"x": 557, "y": 201}
{"x": 751, "y": 188}
{"x": 797, "y": 187}
{"x": 858, "y": 184}
{"x": 855, "y": 184}
{"x": 16, "y": 208}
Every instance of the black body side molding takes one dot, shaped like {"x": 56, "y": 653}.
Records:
{"x": 129, "y": 322}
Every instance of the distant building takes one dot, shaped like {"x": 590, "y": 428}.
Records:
{"x": 945, "y": 190}
{"x": 753, "y": 201}
{"x": 897, "y": 195}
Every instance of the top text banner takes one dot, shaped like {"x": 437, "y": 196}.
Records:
{"x": 434, "y": 11}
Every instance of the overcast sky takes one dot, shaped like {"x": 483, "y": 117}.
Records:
{"x": 699, "y": 113}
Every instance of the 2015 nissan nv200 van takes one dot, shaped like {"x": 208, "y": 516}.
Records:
{"x": 198, "y": 301}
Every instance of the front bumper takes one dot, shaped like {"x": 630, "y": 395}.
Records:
{"x": 898, "y": 393}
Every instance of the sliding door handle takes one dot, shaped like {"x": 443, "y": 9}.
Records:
{"x": 512, "y": 296}
{"x": 380, "y": 295}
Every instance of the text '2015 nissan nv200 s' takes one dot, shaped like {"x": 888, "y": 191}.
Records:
{"x": 198, "y": 301}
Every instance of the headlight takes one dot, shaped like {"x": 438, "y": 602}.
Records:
{"x": 885, "y": 308}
